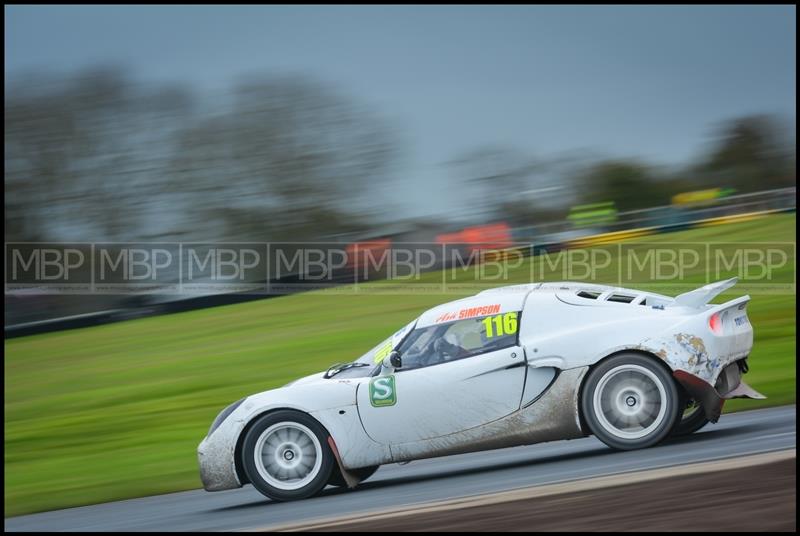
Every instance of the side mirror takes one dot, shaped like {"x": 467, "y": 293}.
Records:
{"x": 393, "y": 360}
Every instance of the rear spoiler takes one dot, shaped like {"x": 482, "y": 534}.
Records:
{"x": 697, "y": 298}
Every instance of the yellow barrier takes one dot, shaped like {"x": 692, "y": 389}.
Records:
{"x": 747, "y": 216}
{"x": 618, "y": 236}
{"x": 610, "y": 238}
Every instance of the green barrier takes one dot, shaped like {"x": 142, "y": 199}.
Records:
{"x": 593, "y": 214}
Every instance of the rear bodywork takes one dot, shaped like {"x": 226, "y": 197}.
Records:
{"x": 708, "y": 362}
{"x": 564, "y": 330}
{"x": 708, "y": 351}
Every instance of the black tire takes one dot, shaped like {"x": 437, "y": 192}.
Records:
{"x": 622, "y": 402}
{"x": 288, "y": 430}
{"x": 692, "y": 419}
{"x": 362, "y": 474}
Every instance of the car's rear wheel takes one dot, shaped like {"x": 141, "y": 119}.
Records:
{"x": 692, "y": 419}
{"x": 630, "y": 402}
{"x": 286, "y": 455}
{"x": 362, "y": 474}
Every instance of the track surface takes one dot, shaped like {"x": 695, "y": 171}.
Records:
{"x": 426, "y": 480}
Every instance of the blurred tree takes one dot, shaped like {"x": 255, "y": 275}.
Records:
{"x": 501, "y": 174}
{"x": 85, "y": 155}
{"x": 751, "y": 153}
{"x": 293, "y": 158}
{"x": 95, "y": 156}
{"x": 628, "y": 183}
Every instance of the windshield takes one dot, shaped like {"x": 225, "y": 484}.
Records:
{"x": 376, "y": 354}
{"x": 384, "y": 348}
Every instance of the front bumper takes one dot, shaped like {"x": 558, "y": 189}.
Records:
{"x": 216, "y": 456}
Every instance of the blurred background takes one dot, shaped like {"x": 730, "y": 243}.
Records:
{"x": 353, "y": 125}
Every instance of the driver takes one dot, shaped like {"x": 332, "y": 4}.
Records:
{"x": 448, "y": 351}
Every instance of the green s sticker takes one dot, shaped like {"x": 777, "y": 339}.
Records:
{"x": 382, "y": 392}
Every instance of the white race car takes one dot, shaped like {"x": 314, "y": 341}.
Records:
{"x": 509, "y": 366}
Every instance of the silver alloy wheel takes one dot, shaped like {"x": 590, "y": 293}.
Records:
{"x": 630, "y": 401}
{"x": 288, "y": 455}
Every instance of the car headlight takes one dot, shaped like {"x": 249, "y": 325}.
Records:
{"x": 224, "y": 415}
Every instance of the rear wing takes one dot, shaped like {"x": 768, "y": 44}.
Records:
{"x": 698, "y": 298}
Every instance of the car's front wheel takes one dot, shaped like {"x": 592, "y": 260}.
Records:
{"x": 630, "y": 402}
{"x": 286, "y": 455}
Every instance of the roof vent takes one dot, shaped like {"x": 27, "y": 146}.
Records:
{"x": 620, "y": 298}
{"x": 588, "y": 294}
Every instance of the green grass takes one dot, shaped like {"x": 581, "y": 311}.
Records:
{"x": 117, "y": 411}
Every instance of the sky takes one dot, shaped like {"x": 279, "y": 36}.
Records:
{"x": 626, "y": 81}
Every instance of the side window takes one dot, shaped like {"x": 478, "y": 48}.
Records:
{"x": 432, "y": 345}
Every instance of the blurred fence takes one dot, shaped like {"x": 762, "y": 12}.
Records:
{"x": 668, "y": 215}
{"x": 32, "y": 310}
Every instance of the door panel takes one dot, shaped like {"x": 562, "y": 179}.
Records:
{"x": 441, "y": 399}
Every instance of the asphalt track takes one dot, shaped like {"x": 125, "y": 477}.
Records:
{"x": 426, "y": 480}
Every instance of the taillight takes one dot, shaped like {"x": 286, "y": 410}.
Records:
{"x": 715, "y": 323}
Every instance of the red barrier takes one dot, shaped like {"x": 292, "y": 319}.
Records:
{"x": 360, "y": 253}
{"x": 491, "y": 236}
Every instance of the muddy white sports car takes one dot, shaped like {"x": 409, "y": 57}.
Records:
{"x": 509, "y": 366}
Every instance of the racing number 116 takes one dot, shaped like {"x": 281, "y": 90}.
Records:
{"x": 499, "y": 325}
